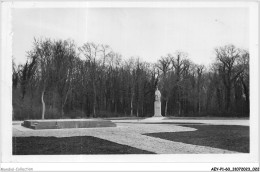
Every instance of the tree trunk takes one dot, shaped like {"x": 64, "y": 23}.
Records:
{"x": 179, "y": 108}
{"x": 228, "y": 98}
{"x": 105, "y": 100}
{"x": 115, "y": 107}
{"x": 64, "y": 102}
{"x": 199, "y": 102}
{"x": 219, "y": 99}
{"x": 61, "y": 110}
{"x": 132, "y": 97}
{"x": 246, "y": 92}
{"x": 166, "y": 108}
{"x": 43, "y": 105}
{"x": 82, "y": 103}
{"x": 142, "y": 109}
{"x": 94, "y": 101}
{"x": 31, "y": 105}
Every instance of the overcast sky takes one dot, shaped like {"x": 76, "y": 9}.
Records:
{"x": 145, "y": 32}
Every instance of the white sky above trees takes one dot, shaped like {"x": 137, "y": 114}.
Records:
{"x": 145, "y": 32}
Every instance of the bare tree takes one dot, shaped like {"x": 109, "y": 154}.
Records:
{"x": 200, "y": 69}
{"x": 179, "y": 64}
{"x": 98, "y": 82}
{"x": 167, "y": 78}
{"x": 43, "y": 49}
{"x": 64, "y": 53}
{"x": 15, "y": 74}
{"x": 227, "y": 57}
{"x": 90, "y": 52}
{"x": 244, "y": 77}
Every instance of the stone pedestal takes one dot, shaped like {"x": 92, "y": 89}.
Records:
{"x": 157, "y": 109}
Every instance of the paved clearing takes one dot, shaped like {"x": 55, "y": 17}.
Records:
{"x": 131, "y": 133}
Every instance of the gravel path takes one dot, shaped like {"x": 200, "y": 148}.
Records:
{"x": 129, "y": 132}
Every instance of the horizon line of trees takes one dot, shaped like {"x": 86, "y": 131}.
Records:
{"x": 61, "y": 80}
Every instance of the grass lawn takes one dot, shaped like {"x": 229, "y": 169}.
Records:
{"x": 229, "y": 137}
{"x": 69, "y": 145}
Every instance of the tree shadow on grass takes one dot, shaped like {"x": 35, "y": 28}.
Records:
{"x": 229, "y": 137}
{"x": 70, "y": 145}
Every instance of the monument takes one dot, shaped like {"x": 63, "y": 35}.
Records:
{"x": 157, "y": 104}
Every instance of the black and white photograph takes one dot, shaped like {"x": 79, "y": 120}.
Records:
{"x": 122, "y": 80}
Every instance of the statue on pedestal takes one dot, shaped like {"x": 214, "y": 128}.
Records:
{"x": 157, "y": 104}
{"x": 157, "y": 95}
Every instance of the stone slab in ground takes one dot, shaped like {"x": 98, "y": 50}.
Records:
{"x": 67, "y": 123}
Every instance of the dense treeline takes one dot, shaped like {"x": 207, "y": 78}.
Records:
{"x": 61, "y": 80}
